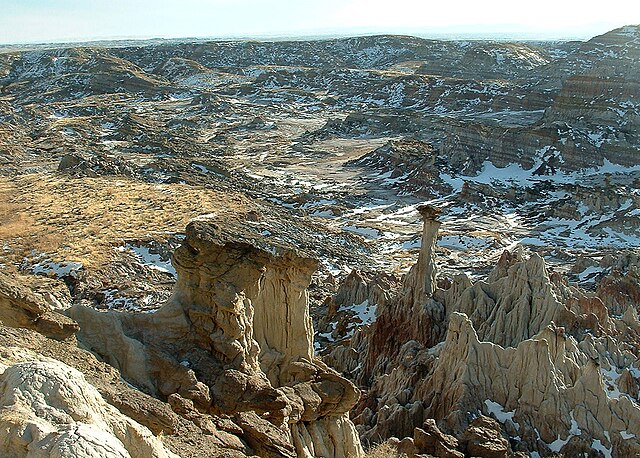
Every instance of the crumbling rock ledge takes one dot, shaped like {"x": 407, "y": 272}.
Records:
{"x": 48, "y": 404}
{"x": 50, "y": 409}
{"x": 236, "y": 339}
{"x": 23, "y": 308}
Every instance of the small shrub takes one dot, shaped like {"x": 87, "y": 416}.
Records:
{"x": 384, "y": 450}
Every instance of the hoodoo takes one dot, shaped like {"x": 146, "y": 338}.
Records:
{"x": 236, "y": 340}
{"x": 425, "y": 268}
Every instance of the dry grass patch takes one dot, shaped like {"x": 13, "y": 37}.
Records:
{"x": 384, "y": 450}
{"x": 79, "y": 219}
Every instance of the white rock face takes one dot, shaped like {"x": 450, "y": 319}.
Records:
{"x": 48, "y": 409}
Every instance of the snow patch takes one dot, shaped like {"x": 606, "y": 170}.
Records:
{"x": 597, "y": 445}
{"x": 610, "y": 378}
{"x": 625, "y": 435}
{"x": 365, "y": 312}
{"x": 366, "y": 232}
{"x": 498, "y": 411}
{"x": 152, "y": 260}
{"x": 59, "y": 269}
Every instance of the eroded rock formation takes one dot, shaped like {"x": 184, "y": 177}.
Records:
{"x": 414, "y": 316}
{"x": 421, "y": 281}
{"x": 543, "y": 358}
{"x": 236, "y": 340}
{"x": 593, "y": 117}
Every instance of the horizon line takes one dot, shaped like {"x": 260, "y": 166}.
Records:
{"x": 319, "y": 35}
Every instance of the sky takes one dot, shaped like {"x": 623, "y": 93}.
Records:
{"x": 38, "y": 21}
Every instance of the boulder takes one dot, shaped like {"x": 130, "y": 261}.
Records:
{"x": 429, "y": 439}
{"x": 483, "y": 438}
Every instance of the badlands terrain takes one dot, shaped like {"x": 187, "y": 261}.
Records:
{"x": 382, "y": 246}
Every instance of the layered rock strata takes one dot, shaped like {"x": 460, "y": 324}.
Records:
{"x": 594, "y": 117}
{"x": 236, "y": 340}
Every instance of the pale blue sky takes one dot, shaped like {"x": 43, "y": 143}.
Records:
{"x": 30, "y": 21}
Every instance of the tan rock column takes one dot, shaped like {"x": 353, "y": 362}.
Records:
{"x": 426, "y": 267}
